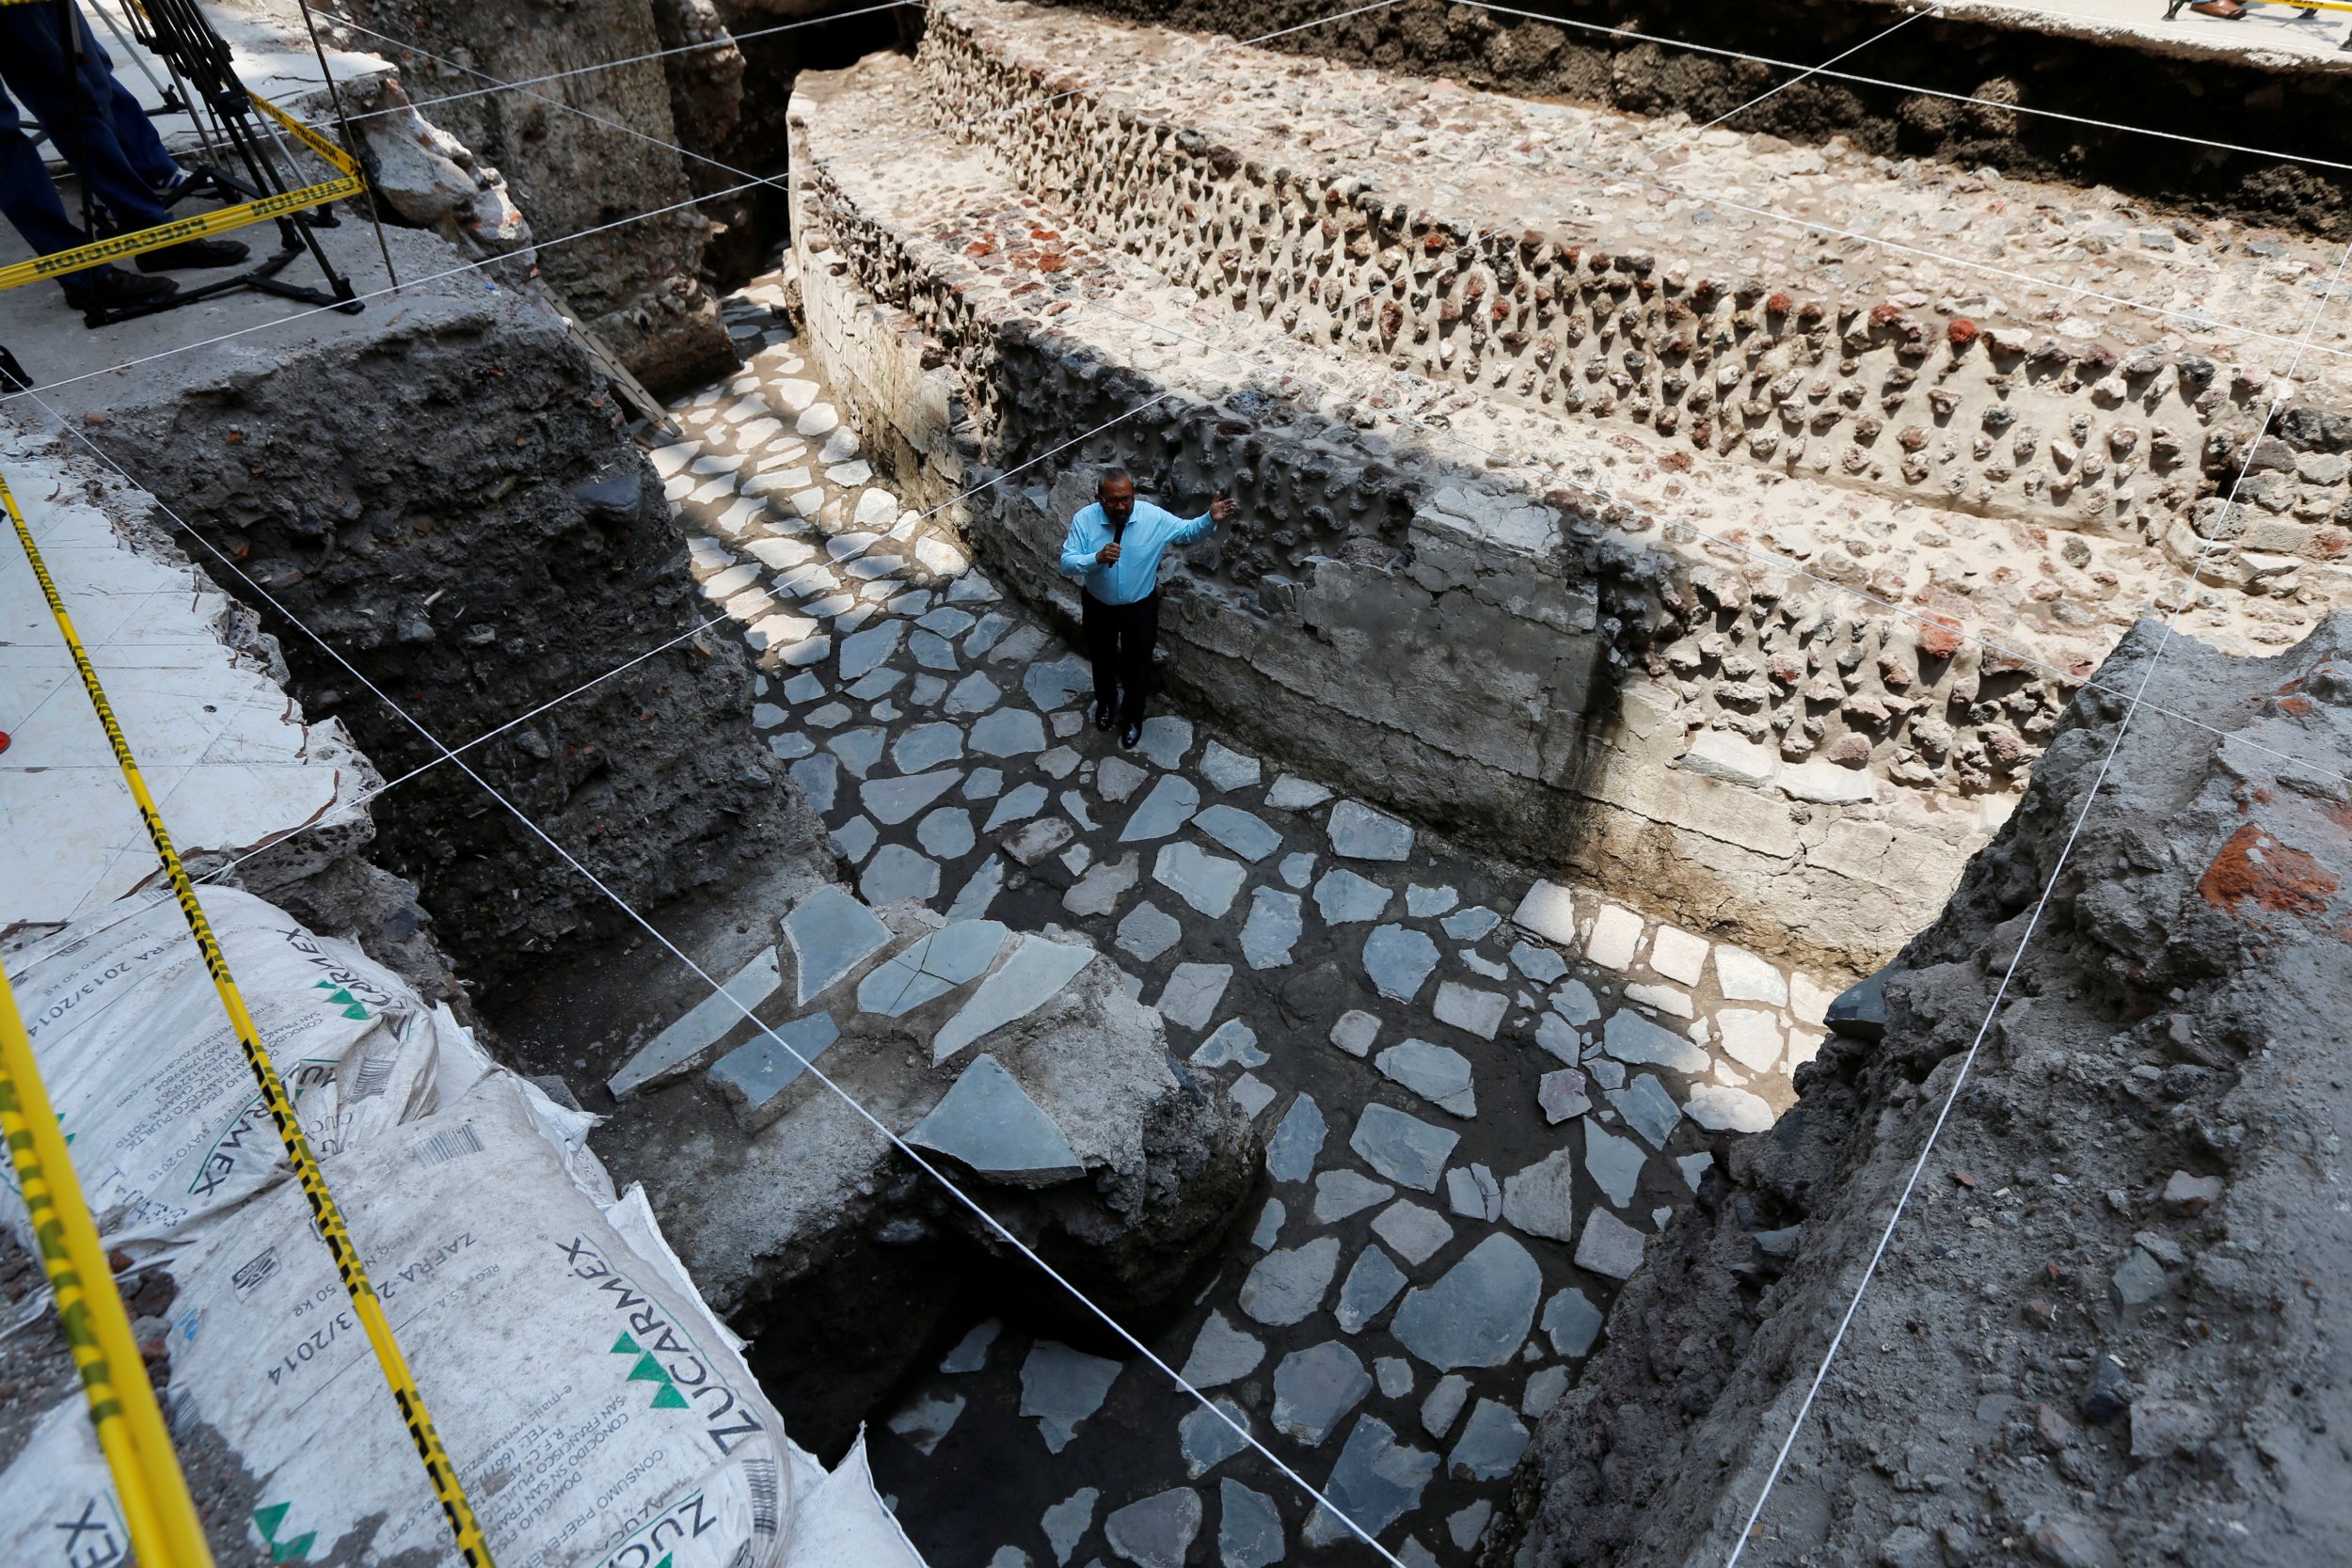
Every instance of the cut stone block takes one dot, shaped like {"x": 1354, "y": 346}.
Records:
{"x": 989, "y": 1122}
{"x": 1157, "y": 1531}
{"x": 1290, "y": 1154}
{"x": 1361, "y": 834}
{"x": 1616, "y": 933}
{"x": 1745, "y": 977}
{"x": 1341, "y": 1192}
{"x": 1287, "y": 1285}
{"x": 1370, "y": 1285}
{"x": 1399, "y": 960}
{"x": 1609, "y": 1246}
{"x": 1476, "y": 1012}
{"x": 1478, "y": 1313}
{"x": 1406, "y": 1150}
{"x": 1416, "y": 1234}
{"x": 1678, "y": 955}
{"x": 1192, "y": 992}
{"x": 1549, "y": 910}
{"x": 1720, "y": 754}
{"x": 830, "y": 933}
{"x": 1060, "y": 1388}
{"x": 1037, "y": 971}
{"x": 1316, "y": 1388}
{"x": 754, "y": 1076}
{"x": 931, "y": 967}
{"x": 1571, "y": 1321}
{"x": 1376, "y": 1483}
{"x": 1541, "y": 1199}
{"x": 676, "y": 1049}
{"x": 1432, "y": 1072}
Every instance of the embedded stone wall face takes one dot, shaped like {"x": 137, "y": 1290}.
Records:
{"x": 1892, "y": 393}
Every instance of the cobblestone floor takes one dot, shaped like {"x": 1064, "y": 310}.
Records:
{"x": 1481, "y": 1091}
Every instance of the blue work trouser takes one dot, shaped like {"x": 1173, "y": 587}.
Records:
{"x": 93, "y": 121}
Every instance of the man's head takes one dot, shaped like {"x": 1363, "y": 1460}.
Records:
{"x": 1117, "y": 495}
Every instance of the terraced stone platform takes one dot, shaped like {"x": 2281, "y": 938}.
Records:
{"x": 1673, "y": 530}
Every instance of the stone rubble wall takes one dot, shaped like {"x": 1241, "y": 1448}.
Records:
{"x": 1450, "y": 648}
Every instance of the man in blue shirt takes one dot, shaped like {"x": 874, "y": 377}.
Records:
{"x": 1114, "y": 547}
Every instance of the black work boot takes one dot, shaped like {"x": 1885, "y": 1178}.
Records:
{"x": 193, "y": 253}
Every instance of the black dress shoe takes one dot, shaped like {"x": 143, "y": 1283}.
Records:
{"x": 193, "y": 253}
{"x": 1131, "y": 737}
{"x": 111, "y": 289}
{"x": 1105, "y": 715}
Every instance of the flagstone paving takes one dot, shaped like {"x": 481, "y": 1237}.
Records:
{"x": 1483, "y": 1090}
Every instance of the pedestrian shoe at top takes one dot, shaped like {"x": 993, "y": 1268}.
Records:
{"x": 2228, "y": 10}
{"x": 1105, "y": 715}
{"x": 193, "y": 253}
{"x": 112, "y": 289}
{"x": 1132, "y": 737}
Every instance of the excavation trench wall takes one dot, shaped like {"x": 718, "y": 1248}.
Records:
{"x": 2279, "y": 101}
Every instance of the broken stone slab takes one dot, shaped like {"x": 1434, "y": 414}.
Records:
{"x": 1471, "y": 925}
{"x": 1341, "y": 1192}
{"x": 1571, "y": 1321}
{"x": 753, "y": 1077}
{"x": 1104, "y": 885}
{"x": 923, "y": 1424}
{"x": 1360, "y": 834}
{"x": 1244, "y": 835}
{"x": 1615, "y": 1163}
{"x": 1470, "y": 1010}
{"x": 1066, "y": 1523}
{"x": 1539, "y": 964}
{"x": 1472, "y": 1193}
{"x": 1167, "y": 808}
{"x": 1273, "y": 928}
{"x": 1290, "y": 792}
{"x": 1405, "y": 1149}
{"x": 1416, "y": 1233}
{"x": 1342, "y": 897}
{"x": 1541, "y": 1199}
{"x": 1719, "y": 1108}
{"x": 1433, "y": 1072}
{"x": 1355, "y": 1031}
{"x": 1610, "y": 1247}
{"x": 1192, "y": 992}
{"x": 1233, "y": 1044}
{"x": 1316, "y": 1388}
{"x": 1038, "y": 839}
{"x": 1037, "y": 970}
{"x": 1290, "y": 1154}
{"x": 1207, "y": 1442}
{"x": 1443, "y": 1405}
{"x": 1157, "y": 1531}
{"x": 1209, "y": 883}
{"x": 1147, "y": 931}
{"x": 1745, "y": 977}
{"x": 1062, "y": 1388}
{"x": 1632, "y": 1038}
{"x": 1648, "y": 1109}
{"x": 931, "y": 967}
{"x": 1288, "y": 1284}
{"x": 676, "y": 1050}
{"x": 1561, "y": 1093}
{"x": 1221, "y": 1354}
{"x": 830, "y": 933}
{"x": 1478, "y": 1312}
{"x": 1720, "y": 754}
{"x": 1399, "y": 960}
{"x": 1491, "y": 1443}
{"x": 1825, "y": 783}
{"x": 1549, "y": 910}
{"x": 1229, "y": 770}
{"x": 1375, "y": 1483}
{"x": 1372, "y": 1283}
{"x": 1249, "y": 1529}
{"x": 988, "y": 1122}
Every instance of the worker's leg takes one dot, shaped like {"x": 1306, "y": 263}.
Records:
{"x": 133, "y": 129}
{"x": 78, "y": 118}
{"x": 30, "y": 203}
{"x": 1099, "y": 625}
{"x": 1138, "y": 636}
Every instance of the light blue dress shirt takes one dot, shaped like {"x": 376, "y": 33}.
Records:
{"x": 1150, "y": 532}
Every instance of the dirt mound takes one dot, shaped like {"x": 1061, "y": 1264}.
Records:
{"x": 2110, "y": 1327}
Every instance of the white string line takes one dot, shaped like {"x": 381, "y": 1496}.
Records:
{"x": 716, "y": 990}
{"x": 538, "y": 244}
{"x": 2001, "y": 992}
{"x": 1913, "y": 87}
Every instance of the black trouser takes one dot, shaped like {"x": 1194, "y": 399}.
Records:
{"x": 1120, "y": 638}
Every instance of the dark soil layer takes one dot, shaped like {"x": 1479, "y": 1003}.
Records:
{"x": 2123, "y": 81}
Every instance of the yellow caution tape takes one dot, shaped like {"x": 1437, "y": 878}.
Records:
{"x": 156, "y": 1509}
{"x": 115, "y": 247}
{"x": 326, "y": 1218}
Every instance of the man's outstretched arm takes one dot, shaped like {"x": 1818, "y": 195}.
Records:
{"x": 1220, "y": 511}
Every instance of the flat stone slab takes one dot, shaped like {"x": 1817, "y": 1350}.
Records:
{"x": 1745, "y": 977}
{"x": 1038, "y": 839}
{"x": 862, "y": 651}
{"x": 1060, "y": 1388}
{"x": 1361, "y": 834}
{"x": 988, "y": 1122}
{"x": 1276, "y": 920}
{"x": 1192, "y": 992}
{"x": 1244, "y": 835}
{"x": 1478, "y": 1313}
{"x": 1226, "y": 768}
{"x": 1052, "y": 685}
{"x": 1037, "y": 971}
{"x": 1249, "y": 1528}
{"x": 1443, "y": 1406}
{"x": 1290, "y": 792}
{"x": 1571, "y": 1321}
{"x": 893, "y": 800}
{"x": 1104, "y": 885}
{"x": 1341, "y": 1192}
{"x": 1251, "y": 1095}
{"x": 1405, "y": 1149}
{"x": 1166, "y": 738}
{"x": 1233, "y": 1044}
{"x": 1561, "y": 1094}
{"x": 1616, "y": 933}
{"x": 1168, "y": 806}
{"x": 926, "y": 746}
{"x": 1017, "y": 805}
{"x": 1432, "y": 1072}
{"x": 1157, "y": 1531}
{"x": 1720, "y": 1108}
{"x": 1613, "y": 1163}
{"x": 830, "y": 933}
{"x": 1066, "y": 1523}
{"x": 1287, "y": 1285}
{"x": 1631, "y": 1037}
{"x": 1221, "y": 1354}
{"x": 1209, "y": 883}
{"x": 931, "y": 967}
{"x": 703, "y": 1026}
{"x": 1290, "y": 1154}
{"x": 1541, "y": 1199}
{"x": 923, "y": 1424}
{"x": 1471, "y": 925}
{"x": 1317, "y": 1389}
{"x": 1206, "y": 1441}
{"x": 1751, "y": 1037}
{"x": 1648, "y": 1109}
{"x": 1416, "y": 1233}
{"x": 1371, "y": 1284}
{"x": 1491, "y": 1443}
{"x": 897, "y": 872}
{"x": 947, "y": 833}
{"x": 1539, "y": 964}
{"x": 1355, "y": 1031}
{"x": 1399, "y": 961}
{"x": 1376, "y": 1483}
{"x": 1116, "y": 778}
{"x": 1470, "y": 1010}
{"x": 1471, "y": 1192}
{"x": 754, "y": 1076}
{"x": 1609, "y": 1246}
{"x": 1009, "y": 732}
{"x": 1343, "y": 898}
